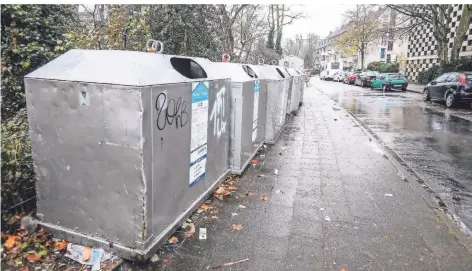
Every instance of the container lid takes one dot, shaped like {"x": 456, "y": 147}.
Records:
{"x": 292, "y": 72}
{"x": 281, "y": 71}
{"x": 235, "y": 71}
{"x": 125, "y": 68}
{"x": 265, "y": 72}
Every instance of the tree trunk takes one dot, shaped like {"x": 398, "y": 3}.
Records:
{"x": 270, "y": 35}
{"x": 461, "y": 31}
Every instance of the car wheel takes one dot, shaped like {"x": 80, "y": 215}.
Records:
{"x": 426, "y": 96}
{"x": 384, "y": 88}
{"x": 371, "y": 87}
{"x": 362, "y": 84}
{"x": 403, "y": 89}
{"x": 450, "y": 100}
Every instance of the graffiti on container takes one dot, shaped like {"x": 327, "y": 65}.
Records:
{"x": 218, "y": 113}
{"x": 170, "y": 111}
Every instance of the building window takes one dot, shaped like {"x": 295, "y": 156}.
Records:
{"x": 452, "y": 34}
{"x": 463, "y": 48}
{"x": 465, "y": 37}
{"x": 460, "y": 7}
{"x": 388, "y": 58}
{"x": 450, "y": 45}
{"x": 470, "y": 31}
{"x": 390, "y": 46}
{"x": 469, "y": 43}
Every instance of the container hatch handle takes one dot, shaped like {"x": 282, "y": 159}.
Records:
{"x": 274, "y": 62}
{"x": 225, "y": 57}
{"x": 260, "y": 61}
{"x": 151, "y": 46}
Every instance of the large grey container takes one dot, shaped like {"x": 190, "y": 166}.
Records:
{"x": 276, "y": 105}
{"x": 247, "y": 104}
{"x": 296, "y": 84}
{"x": 302, "y": 89}
{"x": 125, "y": 146}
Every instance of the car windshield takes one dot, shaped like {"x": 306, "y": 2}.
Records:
{"x": 335, "y": 65}
{"x": 396, "y": 76}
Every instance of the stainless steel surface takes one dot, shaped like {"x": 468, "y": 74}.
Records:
{"x": 114, "y": 162}
{"x": 245, "y": 139}
{"x": 296, "y": 88}
{"x": 276, "y": 105}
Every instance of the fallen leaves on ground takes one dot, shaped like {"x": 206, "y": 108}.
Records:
{"x": 60, "y": 245}
{"x": 33, "y": 257}
{"x": 11, "y": 241}
{"x": 249, "y": 193}
{"x": 232, "y": 188}
{"x": 205, "y": 207}
{"x": 166, "y": 261}
{"x": 263, "y": 197}
{"x": 237, "y": 227}
{"x": 191, "y": 231}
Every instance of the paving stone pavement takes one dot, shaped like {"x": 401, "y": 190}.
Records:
{"x": 336, "y": 203}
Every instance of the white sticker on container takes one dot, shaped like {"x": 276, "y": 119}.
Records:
{"x": 198, "y": 134}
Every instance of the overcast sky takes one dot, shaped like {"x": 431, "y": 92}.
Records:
{"x": 321, "y": 18}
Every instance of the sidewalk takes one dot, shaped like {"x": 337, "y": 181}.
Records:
{"x": 415, "y": 88}
{"x": 336, "y": 203}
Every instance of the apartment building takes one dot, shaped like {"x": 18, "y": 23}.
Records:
{"x": 422, "y": 46}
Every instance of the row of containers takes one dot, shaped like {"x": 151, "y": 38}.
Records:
{"x": 126, "y": 145}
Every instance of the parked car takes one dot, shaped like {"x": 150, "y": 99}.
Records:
{"x": 364, "y": 79}
{"x": 350, "y": 78}
{"x": 339, "y": 76}
{"x": 387, "y": 81}
{"x": 452, "y": 88}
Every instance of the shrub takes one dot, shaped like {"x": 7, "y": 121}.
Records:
{"x": 426, "y": 76}
{"x": 383, "y": 67}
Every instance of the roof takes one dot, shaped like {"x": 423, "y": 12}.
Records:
{"x": 115, "y": 67}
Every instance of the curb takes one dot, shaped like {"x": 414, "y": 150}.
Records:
{"x": 419, "y": 186}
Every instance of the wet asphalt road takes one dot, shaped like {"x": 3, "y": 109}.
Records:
{"x": 433, "y": 141}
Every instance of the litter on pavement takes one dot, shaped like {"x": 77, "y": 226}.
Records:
{"x": 230, "y": 263}
{"x": 327, "y": 218}
{"x": 388, "y": 195}
{"x": 88, "y": 256}
{"x": 202, "y": 234}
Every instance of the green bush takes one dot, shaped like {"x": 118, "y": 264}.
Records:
{"x": 31, "y": 36}
{"x": 426, "y": 76}
{"x": 383, "y": 67}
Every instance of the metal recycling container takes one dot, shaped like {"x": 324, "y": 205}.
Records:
{"x": 246, "y": 104}
{"x": 126, "y": 145}
{"x": 276, "y": 105}
{"x": 302, "y": 89}
{"x": 296, "y": 89}
{"x": 287, "y": 85}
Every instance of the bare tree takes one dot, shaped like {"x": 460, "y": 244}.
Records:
{"x": 362, "y": 32}
{"x": 250, "y": 26}
{"x": 280, "y": 15}
{"x": 228, "y": 15}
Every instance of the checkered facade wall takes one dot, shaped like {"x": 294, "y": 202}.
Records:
{"x": 422, "y": 46}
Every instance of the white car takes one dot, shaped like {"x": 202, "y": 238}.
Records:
{"x": 326, "y": 75}
{"x": 339, "y": 76}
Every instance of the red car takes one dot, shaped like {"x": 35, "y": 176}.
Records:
{"x": 350, "y": 78}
